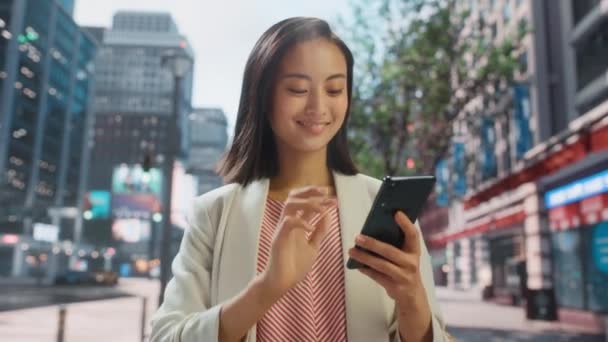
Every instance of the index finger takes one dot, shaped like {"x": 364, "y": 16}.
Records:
{"x": 412, "y": 243}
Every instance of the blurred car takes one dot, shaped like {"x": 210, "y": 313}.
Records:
{"x": 87, "y": 278}
{"x": 106, "y": 277}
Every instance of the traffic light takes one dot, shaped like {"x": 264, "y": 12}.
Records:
{"x": 147, "y": 163}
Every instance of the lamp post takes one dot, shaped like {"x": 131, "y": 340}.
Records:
{"x": 179, "y": 63}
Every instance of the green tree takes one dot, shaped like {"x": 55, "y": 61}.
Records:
{"x": 418, "y": 64}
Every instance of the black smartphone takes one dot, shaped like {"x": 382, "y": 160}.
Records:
{"x": 407, "y": 194}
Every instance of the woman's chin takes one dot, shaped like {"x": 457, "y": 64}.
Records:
{"x": 309, "y": 147}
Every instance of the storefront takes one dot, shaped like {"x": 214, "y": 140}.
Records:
{"x": 489, "y": 253}
{"x": 507, "y": 264}
{"x": 578, "y": 219}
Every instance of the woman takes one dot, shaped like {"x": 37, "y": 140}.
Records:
{"x": 264, "y": 257}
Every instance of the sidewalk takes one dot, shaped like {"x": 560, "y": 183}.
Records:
{"x": 465, "y": 310}
{"x": 468, "y": 318}
{"x": 116, "y": 320}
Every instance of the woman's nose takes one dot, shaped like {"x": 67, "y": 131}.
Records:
{"x": 316, "y": 103}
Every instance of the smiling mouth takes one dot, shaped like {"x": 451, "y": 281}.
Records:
{"x": 312, "y": 123}
{"x": 313, "y": 127}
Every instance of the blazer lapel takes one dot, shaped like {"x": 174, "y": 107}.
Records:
{"x": 366, "y": 316}
{"x": 239, "y": 249}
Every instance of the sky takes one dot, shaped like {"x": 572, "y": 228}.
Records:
{"x": 222, "y": 34}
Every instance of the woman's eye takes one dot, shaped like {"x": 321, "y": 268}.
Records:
{"x": 334, "y": 92}
{"x": 297, "y": 91}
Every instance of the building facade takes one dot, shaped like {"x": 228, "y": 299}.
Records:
{"x": 529, "y": 228}
{"x": 208, "y": 139}
{"x": 46, "y": 82}
{"x": 134, "y": 105}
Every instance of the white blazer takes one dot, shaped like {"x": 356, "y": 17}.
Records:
{"x": 217, "y": 260}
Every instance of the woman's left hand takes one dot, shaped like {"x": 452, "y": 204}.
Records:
{"x": 398, "y": 272}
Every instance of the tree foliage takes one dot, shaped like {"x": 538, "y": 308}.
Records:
{"x": 418, "y": 64}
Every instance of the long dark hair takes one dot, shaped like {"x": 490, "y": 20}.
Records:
{"x": 253, "y": 154}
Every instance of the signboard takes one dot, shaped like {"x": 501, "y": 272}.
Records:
{"x": 46, "y": 232}
{"x": 185, "y": 188}
{"x": 577, "y": 190}
{"x": 136, "y": 193}
{"x": 599, "y": 244}
{"x": 523, "y": 134}
{"x": 98, "y": 203}
{"x": 134, "y": 180}
{"x": 140, "y": 206}
{"x": 131, "y": 230}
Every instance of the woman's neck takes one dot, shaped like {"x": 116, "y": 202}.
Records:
{"x": 301, "y": 169}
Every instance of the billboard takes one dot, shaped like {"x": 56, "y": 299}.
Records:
{"x": 98, "y": 203}
{"x": 133, "y": 179}
{"x": 137, "y": 206}
{"x": 136, "y": 194}
{"x": 184, "y": 191}
{"x": 131, "y": 230}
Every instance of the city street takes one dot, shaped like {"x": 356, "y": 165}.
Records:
{"x": 116, "y": 320}
{"x": 470, "y": 319}
{"x": 14, "y": 298}
{"x": 119, "y": 319}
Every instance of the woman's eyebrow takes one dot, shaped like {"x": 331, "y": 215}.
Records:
{"x": 335, "y": 76}
{"x": 306, "y": 77}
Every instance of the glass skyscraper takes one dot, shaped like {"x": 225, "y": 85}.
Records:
{"x": 46, "y": 78}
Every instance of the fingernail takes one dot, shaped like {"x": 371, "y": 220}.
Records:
{"x": 402, "y": 216}
{"x": 359, "y": 239}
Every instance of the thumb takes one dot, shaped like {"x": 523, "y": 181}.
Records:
{"x": 321, "y": 229}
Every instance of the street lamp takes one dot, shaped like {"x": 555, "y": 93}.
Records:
{"x": 179, "y": 63}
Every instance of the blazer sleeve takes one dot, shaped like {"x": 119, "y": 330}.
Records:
{"x": 426, "y": 272}
{"x": 186, "y": 314}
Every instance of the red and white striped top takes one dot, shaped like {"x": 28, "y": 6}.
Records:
{"x": 315, "y": 309}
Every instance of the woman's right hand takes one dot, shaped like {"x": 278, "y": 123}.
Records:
{"x": 296, "y": 242}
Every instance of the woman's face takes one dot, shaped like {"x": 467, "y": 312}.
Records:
{"x": 309, "y": 96}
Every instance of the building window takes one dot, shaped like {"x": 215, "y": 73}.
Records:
{"x": 522, "y": 26}
{"x": 523, "y": 62}
{"x": 581, "y": 267}
{"x": 591, "y": 60}
{"x": 568, "y": 273}
{"x": 580, "y": 8}
{"x": 506, "y": 11}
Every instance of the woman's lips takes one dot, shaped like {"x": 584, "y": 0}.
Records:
{"x": 314, "y": 127}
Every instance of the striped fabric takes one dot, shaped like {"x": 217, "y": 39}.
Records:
{"x": 315, "y": 309}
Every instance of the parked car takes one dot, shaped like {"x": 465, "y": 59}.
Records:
{"x": 74, "y": 278}
{"x": 87, "y": 278}
{"x": 106, "y": 277}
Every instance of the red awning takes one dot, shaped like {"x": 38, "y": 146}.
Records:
{"x": 493, "y": 224}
